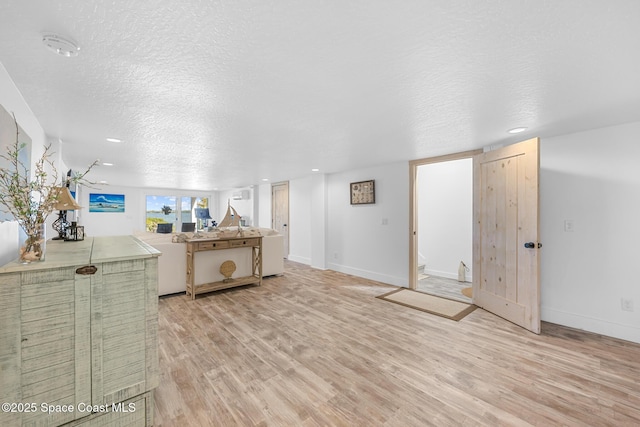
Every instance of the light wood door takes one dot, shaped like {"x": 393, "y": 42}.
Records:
{"x": 506, "y": 269}
{"x": 280, "y": 212}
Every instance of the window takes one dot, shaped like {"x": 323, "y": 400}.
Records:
{"x": 189, "y": 204}
{"x": 161, "y": 210}
{"x": 165, "y": 209}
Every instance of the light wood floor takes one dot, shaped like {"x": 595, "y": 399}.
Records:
{"x": 315, "y": 348}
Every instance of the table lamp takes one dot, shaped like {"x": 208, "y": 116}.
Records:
{"x": 65, "y": 202}
{"x": 203, "y": 214}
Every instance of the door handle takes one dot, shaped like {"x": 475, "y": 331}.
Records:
{"x": 531, "y": 245}
{"x": 87, "y": 270}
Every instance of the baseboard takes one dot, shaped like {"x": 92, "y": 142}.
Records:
{"x": 301, "y": 260}
{"x": 371, "y": 275}
{"x": 591, "y": 324}
{"x": 304, "y": 260}
{"x": 446, "y": 275}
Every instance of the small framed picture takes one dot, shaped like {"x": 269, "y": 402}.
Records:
{"x": 363, "y": 192}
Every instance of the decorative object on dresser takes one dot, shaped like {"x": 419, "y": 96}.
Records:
{"x": 81, "y": 330}
{"x": 363, "y": 192}
{"x": 65, "y": 203}
{"x": 74, "y": 233}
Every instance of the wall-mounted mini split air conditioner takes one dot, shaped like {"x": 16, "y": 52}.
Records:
{"x": 241, "y": 195}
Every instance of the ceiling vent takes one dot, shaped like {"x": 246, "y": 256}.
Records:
{"x": 61, "y": 45}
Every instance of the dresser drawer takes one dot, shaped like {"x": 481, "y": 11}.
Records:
{"x": 244, "y": 242}
{"x": 204, "y": 246}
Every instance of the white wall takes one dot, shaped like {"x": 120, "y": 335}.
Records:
{"x": 264, "y": 207}
{"x": 592, "y": 179}
{"x": 445, "y": 217}
{"x": 300, "y": 220}
{"x": 12, "y": 101}
{"x": 357, "y": 241}
{"x": 319, "y": 221}
{"x": 8, "y": 241}
{"x": 133, "y": 218}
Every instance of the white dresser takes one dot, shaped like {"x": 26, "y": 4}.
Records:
{"x": 78, "y": 335}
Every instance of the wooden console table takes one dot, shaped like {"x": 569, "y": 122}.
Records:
{"x": 217, "y": 244}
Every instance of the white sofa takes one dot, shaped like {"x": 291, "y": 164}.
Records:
{"x": 172, "y": 264}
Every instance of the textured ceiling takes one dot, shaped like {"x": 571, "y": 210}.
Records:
{"x": 221, "y": 94}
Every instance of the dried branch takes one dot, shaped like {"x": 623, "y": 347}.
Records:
{"x": 30, "y": 201}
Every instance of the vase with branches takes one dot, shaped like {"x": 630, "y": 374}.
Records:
{"x": 30, "y": 200}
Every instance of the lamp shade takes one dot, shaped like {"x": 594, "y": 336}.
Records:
{"x": 202, "y": 213}
{"x": 65, "y": 201}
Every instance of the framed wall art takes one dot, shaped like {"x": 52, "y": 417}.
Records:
{"x": 106, "y": 202}
{"x": 363, "y": 192}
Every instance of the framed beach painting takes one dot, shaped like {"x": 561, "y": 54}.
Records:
{"x": 99, "y": 202}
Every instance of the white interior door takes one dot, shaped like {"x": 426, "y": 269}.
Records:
{"x": 506, "y": 279}
{"x": 280, "y": 212}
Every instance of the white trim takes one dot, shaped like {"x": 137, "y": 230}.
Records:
{"x": 371, "y": 275}
{"x": 591, "y": 324}
{"x": 300, "y": 259}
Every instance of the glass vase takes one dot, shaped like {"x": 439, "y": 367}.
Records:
{"x": 34, "y": 247}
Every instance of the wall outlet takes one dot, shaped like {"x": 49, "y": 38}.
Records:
{"x": 385, "y": 221}
{"x": 568, "y": 225}
{"x": 626, "y": 304}
{"x": 335, "y": 255}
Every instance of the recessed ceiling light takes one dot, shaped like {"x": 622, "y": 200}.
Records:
{"x": 516, "y": 130}
{"x": 61, "y": 45}
{"x": 114, "y": 140}
{"x": 315, "y": 170}
{"x": 107, "y": 164}
{"x": 102, "y": 182}
{"x": 265, "y": 179}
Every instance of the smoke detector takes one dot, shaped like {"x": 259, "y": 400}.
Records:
{"x": 60, "y": 45}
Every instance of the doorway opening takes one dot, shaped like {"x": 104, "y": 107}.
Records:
{"x": 280, "y": 212}
{"x": 505, "y": 236}
{"x": 443, "y": 226}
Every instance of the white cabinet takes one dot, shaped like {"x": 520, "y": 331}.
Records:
{"x": 78, "y": 335}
